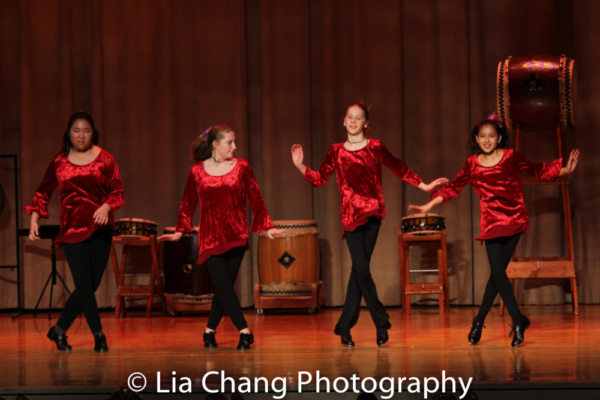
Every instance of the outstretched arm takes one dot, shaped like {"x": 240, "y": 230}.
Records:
{"x": 170, "y": 237}
{"x": 430, "y": 187}
{"x": 426, "y": 207}
{"x": 298, "y": 158}
{"x": 571, "y": 164}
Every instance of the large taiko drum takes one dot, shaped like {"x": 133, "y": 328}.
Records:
{"x": 135, "y": 227}
{"x": 423, "y": 224}
{"x": 537, "y": 92}
{"x": 291, "y": 257}
{"x": 183, "y": 277}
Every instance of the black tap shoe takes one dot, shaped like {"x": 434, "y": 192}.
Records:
{"x": 100, "y": 343}
{"x": 475, "y": 333}
{"x": 345, "y": 337}
{"x": 210, "y": 342}
{"x": 60, "y": 340}
{"x": 518, "y": 331}
{"x": 246, "y": 339}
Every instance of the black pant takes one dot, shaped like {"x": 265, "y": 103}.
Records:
{"x": 361, "y": 243}
{"x": 223, "y": 269}
{"x": 87, "y": 261}
{"x": 499, "y": 252}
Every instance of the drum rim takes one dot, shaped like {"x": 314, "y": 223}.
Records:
{"x": 303, "y": 222}
{"x": 145, "y": 221}
{"x": 421, "y": 215}
{"x": 424, "y": 233}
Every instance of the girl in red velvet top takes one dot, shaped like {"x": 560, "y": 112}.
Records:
{"x": 357, "y": 162}
{"x": 90, "y": 190}
{"x": 494, "y": 172}
{"x": 222, "y": 186}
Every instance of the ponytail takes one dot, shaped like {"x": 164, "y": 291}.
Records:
{"x": 201, "y": 148}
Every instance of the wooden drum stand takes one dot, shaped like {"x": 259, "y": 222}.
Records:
{"x": 423, "y": 230}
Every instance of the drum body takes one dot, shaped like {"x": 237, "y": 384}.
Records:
{"x": 135, "y": 227}
{"x": 293, "y": 257}
{"x": 182, "y": 274}
{"x": 423, "y": 223}
{"x": 537, "y": 92}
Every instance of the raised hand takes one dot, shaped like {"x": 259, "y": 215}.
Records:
{"x": 571, "y": 163}
{"x": 298, "y": 157}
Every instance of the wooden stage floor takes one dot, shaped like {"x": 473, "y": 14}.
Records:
{"x": 559, "y": 359}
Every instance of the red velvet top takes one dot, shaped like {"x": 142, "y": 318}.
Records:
{"x": 82, "y": 190}
{"x": 358, "y": 175}
{"x": 223, "y": 212}
{"x": 500, "y": 191}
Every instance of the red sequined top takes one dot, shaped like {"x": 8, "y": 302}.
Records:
{"x": 500, "y": 191}
{"x": 358, "y": 174}
{"x": 223, "y": 212}
{"x": 82, "y": 190}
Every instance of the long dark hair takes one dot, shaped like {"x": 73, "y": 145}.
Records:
{"x": 500, "y": 129}
{"x": 67, "y": 145}
{"x": 201, "y": 148}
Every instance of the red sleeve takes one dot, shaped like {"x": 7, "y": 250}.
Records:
{"x": 399, "y": 168}
{"x": 547, "y": 171}
{"x": 188, "y": 205}
{"x": 320, "y": 178}
{"x": 116, "y": 197}
{"x": 44, "y": 192}
{"x": 454, "y": 188}
{"x": 261, "y": 221}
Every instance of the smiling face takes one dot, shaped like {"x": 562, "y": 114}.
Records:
{"x": 81, "y": 133}
{"x": 355, "y": 121}
{"x": 487, "y": 138}
{"x": 224, "y": 148}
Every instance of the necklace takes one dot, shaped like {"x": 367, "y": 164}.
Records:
{"x": 217, "y": 161}
{"x": 360, "y": 141}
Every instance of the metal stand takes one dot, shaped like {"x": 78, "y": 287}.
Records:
{"x": 48, "y": 232}
{"x": 53, "y": 275}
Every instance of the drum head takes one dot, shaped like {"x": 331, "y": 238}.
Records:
{"x": 135, "y": 227}
{"x": 423, "y": 223}
{"x": 422, "y": 215}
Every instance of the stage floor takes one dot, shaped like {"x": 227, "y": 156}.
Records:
{"x": 560, "y": 357}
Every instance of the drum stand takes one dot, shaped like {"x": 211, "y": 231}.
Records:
{"x": 548, "y": 267}
{"x": 153, "y": 288}
{"x": 288, "y": 295}
{"x": 438, "y": 239}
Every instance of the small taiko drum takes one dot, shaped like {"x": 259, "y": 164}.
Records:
{"x": 537, "y": 92}
{"x": 423, "y": 224}
{"x": 135, "y": 227}
{"x": 292, "y": 256}
{"x": 178, "y": 259}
